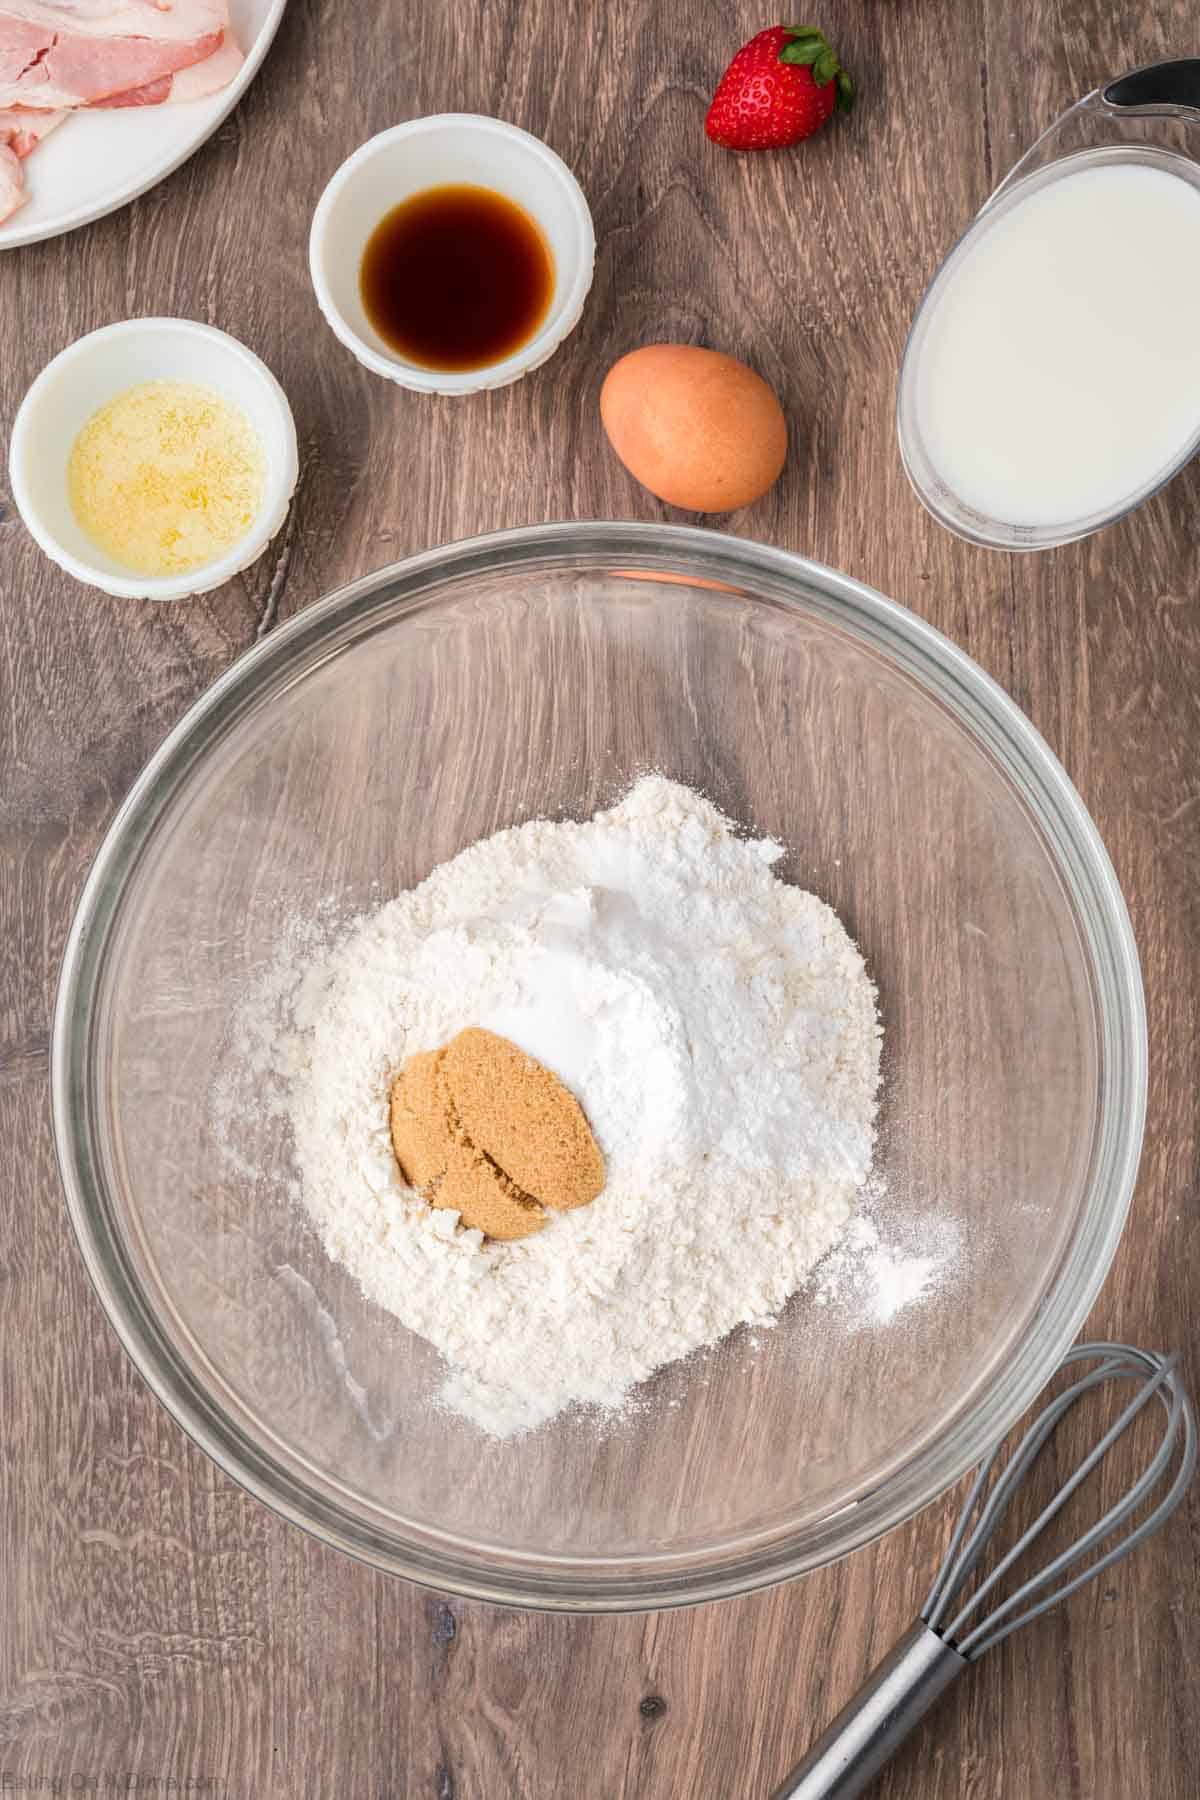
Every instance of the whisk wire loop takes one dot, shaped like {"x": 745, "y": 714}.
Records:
{"x": 944, "y": 1641}
{"x": 956, "y": 1569}
{"x": 1157, "y": 1376}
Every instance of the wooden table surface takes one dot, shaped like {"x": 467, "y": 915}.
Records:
{"x": 159, "y": 1625}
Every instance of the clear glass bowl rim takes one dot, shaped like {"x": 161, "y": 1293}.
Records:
{"x": 992, "y": 718}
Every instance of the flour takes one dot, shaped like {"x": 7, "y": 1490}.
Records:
{"x": 871, "y": 1279}
{"x": 719, "y": 1029}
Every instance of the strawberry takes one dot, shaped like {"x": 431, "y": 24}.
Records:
{"x": 778, "y": 90}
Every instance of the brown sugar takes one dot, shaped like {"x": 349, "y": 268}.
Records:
{"x": 523, "y": 1115}
{"x": 484, "y": 1198}
{"x": 482, "y": 1128}
{"x": 420, "y": 1133}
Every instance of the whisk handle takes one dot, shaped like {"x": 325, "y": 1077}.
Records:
{"x": 842, "y": 1764}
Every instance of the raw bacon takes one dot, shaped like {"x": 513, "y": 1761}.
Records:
{"x": 51, "y": 70}
{"x": 165, "y": 20}
{"x": 192, "y": 83}
{"x": 59, "y": 56}
{"x": 20, "y": 133}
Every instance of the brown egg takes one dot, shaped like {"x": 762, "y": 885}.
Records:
{"x": 698, "y": 429}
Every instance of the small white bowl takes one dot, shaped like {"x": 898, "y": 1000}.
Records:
{"x": 423, "y": 153}
{"x": 92, "y": 371}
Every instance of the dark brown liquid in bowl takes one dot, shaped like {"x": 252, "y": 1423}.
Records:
{"x": 456, "y": 277}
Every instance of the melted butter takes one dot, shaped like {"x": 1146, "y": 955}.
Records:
{"x": 166, "y": 477}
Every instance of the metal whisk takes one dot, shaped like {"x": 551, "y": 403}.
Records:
{"x": 951, "y": 1632}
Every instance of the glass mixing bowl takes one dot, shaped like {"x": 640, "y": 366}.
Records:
{"x": 535, "y": 673}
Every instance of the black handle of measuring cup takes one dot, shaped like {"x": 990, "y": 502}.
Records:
{"x": 1174, "y": 83}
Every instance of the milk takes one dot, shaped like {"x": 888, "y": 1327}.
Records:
{"x": 1057, "y": 364}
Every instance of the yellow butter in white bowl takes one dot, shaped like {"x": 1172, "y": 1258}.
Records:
{"x": 155, "y": 458}
{"x": 166, "y": 477}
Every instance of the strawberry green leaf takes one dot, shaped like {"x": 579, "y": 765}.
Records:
{"x": 803, "y": 53}
{"x": 845, "y": 95}
{"x": 825, "y": 67}
{"x": 804, "y": 31}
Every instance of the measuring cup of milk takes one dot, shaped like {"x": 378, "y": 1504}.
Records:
{"x": 1051, "y": 380}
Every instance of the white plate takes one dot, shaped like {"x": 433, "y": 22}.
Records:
{"x": 101, "y": 160}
